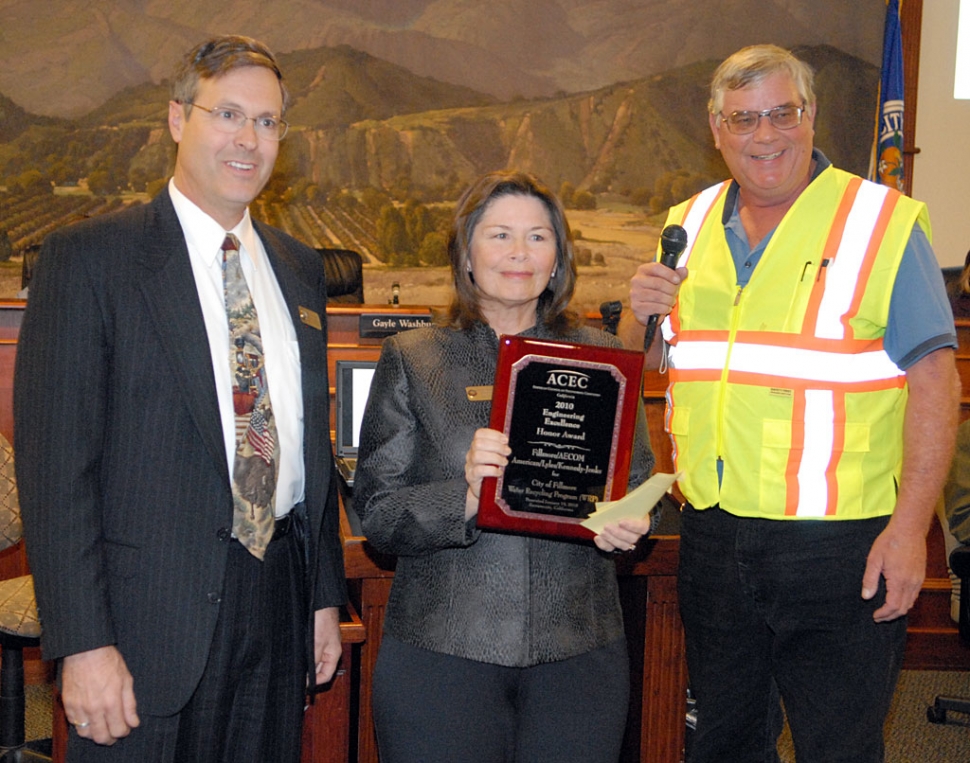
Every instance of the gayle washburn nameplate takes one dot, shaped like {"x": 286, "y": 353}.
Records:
{"x": 570, "y": 413}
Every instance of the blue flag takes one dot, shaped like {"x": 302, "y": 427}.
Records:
{"x": 887, "y": 164}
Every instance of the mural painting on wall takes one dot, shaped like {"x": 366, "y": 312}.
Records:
{"x": 398, "y": 104}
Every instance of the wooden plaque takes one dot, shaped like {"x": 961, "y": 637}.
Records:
{"x": 570, "y": 413}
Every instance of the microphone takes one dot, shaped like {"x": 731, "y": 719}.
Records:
{"x": 673, "y": 241}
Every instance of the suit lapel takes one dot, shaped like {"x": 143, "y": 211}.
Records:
{"x": 172, "y": 299}
{"x": 298, "y": 293}
{"x": 295, "y": 290}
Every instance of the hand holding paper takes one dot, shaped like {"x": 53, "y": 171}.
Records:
{"x": 634, "y": 505}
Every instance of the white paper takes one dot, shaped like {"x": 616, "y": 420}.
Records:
{"x": 634, "y": 505}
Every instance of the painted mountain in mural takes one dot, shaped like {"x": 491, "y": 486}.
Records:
{"x": 379, "y": 151}
{"x": 621, "y": 139}
{"x": 359, "y": 122}
{"x": 67, "y": 57}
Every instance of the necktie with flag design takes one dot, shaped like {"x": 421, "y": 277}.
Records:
{"x": 256, "y": 465}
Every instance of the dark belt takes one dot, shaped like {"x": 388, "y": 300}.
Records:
{"x": 282, "y": 527}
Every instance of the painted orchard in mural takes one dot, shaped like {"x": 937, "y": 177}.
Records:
{"x": 399, "y": 104}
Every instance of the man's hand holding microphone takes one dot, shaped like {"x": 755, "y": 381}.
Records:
{"x": 654, "y": 287}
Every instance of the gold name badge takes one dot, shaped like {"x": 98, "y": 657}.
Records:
{"x": 310, "y": 318}
{"x": 479, "y": 394}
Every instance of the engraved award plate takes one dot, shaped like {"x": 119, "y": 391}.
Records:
{"x": 570, "y": 413}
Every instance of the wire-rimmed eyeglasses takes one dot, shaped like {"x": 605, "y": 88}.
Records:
{"x": 744, "y": 122}
{"x": 229, "y": 120}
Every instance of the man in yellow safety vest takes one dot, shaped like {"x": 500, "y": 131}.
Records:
{"x": 812, "y": 407}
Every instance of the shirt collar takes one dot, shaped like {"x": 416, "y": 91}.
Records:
{"x": 205, "y": 235}
{"x": 731, "y": 200}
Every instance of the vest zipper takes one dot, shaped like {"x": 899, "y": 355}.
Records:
{"x": 722, "y": 386}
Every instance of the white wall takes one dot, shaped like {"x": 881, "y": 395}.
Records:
{"x": 941, "y": 171}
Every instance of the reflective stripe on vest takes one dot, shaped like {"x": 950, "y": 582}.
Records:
{"x": 698, "y": 208}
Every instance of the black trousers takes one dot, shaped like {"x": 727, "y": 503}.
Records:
{"x": 432, "y": 707}
{"x": 772, "y": 606}
{"x": 249, "y": 703}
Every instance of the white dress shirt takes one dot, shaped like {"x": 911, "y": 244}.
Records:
{"x": 204, "y": 237}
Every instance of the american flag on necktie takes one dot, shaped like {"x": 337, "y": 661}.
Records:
{"x": 260, "y": 436}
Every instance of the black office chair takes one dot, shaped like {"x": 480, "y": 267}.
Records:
{"x": 942, "y": 706}
{"x": 30, "y": 254}
{"x": 344, "y": 269}
{"x": 19, "y": 628}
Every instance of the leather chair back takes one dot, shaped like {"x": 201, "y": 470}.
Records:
{"x": 345, "y": 275}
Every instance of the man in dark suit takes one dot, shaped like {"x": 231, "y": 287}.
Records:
{"x": 179, "y": 636}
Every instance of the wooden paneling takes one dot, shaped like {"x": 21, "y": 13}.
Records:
{"x": 326, "y": 727}
{"x": 911, "y": 24}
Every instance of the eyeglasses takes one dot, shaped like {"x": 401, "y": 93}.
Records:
{"x": 229, "y": 120}
{"x": 745, "y": 122}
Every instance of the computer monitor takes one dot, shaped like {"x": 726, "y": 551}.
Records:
{"x": 352, "y": 388}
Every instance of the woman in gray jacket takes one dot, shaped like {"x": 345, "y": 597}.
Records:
{"x": 496, "y": 647}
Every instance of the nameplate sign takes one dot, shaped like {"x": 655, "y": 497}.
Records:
{"x": 570, "y": 412}
{"x": 379, "y": 325}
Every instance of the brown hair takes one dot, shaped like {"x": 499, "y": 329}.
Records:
{"x": 217, "y": 56}
{"x": 552, "y": 309}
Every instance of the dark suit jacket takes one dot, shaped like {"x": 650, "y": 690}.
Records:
{"x": 121, "y": 465}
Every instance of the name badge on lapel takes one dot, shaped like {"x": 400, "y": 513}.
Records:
{"x": 482, "y": 394}
{"x": 310, "y": 318}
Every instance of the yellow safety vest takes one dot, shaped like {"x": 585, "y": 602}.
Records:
{"x": 786, "y": 380}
